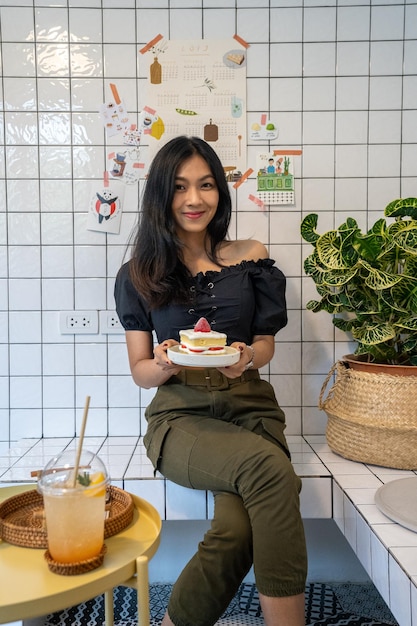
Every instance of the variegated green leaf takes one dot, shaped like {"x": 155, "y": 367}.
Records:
{"x": 371, "y": 334}
{"x": 401, "y": 208}
{"x": 308, "y": 228}
{"x": 378, "y": 280}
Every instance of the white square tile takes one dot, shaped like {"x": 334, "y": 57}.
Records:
{"x": 18, "y": 59}
{"x": 18, "y": 192}
{"x": 24, "y": 262}
{"x": 123, "y": 392}
{"x": 352, "y": 58}
{"x": 318, "y": 161}
{"x": 352, "y": 93}
{"x": 90, "y": 360}
{"x": 385, "y": 87}
{"x": 319, "y": 24}
{"x": 55, "y": 161}
{"x": 57, "y": 261}
{"x": 251, "y": 24}
{"x": 319, "y": 59}
{"x": 17, "y": 24}
{"x": 24, "y": 294}
{"x": 54, "y": 128}
{"x": 120, "y": 60}
{"x": 410, "y": 57}
{"x": 152, "y": 490}
{"x": 318, "y": 127}
{"x": 57, "y": 229}
{"x": 58, "y": 391}
{"x": 123, "y": 421}
{"x": 51, "y": 24}
{"x": 286, "y": 94}
{"x": 90, "y": 261}
{"x": 25, "y": 326}
{"x": 351, "y": 160}
{"x": 386, "y": 58}
{"x": 353, "y": 23}
{"x": 182, "y": 22}
{"x": 351, "y": 127}
{"x": 319, "y": 94}
{"x": 363, "y": 544}
{"x": 56, "y": 196}
{"x": 118, "y": 25}
{"x": 25, "y": 360}
{"x": 183, "y": 503}
{"x": 387, "y": 22}
{"x": 53, "y": 94}
{"x": 85, "y": 25}
{"x": 52, "y": 59}
{"x": 286, "y": 24}
{"x": 219, "y": 23}
{"x": 377, "y": 159}
{"x": 25, "y": 393}
{"x": 19, "y": 94}
{"x": 315, "y": 498}
{"x": 22, "y": 161}
{"x": 57, "y": 294}
{"x": 409, "y": 126}
{"x": 58, "y": 360}
{"x": 400, "y": 593}
{"x": 379, "y": 558}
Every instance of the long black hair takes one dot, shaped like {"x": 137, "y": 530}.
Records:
{"x": 156, "y": 266}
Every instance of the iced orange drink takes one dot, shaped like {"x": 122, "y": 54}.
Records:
{"x": 74, "y": 512}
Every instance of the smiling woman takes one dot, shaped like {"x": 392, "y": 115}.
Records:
{"x": 219, "y": 428}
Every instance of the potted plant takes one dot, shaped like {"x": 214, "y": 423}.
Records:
{"x": 368, "y": 283}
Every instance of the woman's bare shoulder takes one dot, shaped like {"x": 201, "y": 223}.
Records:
{"x": 243, "y": 250}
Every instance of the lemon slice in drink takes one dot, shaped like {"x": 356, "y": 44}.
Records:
{"x": 96, "y": 479}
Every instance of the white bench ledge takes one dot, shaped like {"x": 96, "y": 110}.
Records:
{"x": 333, "y": 487}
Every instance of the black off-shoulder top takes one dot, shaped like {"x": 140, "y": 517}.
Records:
{"x": 241, "y": 300}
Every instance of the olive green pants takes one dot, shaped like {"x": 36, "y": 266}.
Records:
{"x": 227, "y": 436}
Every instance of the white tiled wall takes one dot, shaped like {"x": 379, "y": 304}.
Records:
{"x": 339, "y": 77}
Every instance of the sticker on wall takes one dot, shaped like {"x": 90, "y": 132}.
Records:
{"x": 157, "y": 47}
{"x": 265, "y": 129}
{"x": 125, "y": 165}
{"x": 275, "y": 177}
{"x": 105, "y": 209}
{"x": 114, "y": 114}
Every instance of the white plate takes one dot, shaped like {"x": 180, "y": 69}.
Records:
{"x": 229, "y": 357}
{"x": 397, "y": 500}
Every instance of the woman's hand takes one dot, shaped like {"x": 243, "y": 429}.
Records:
{"x": 236, "y": 370}
{"x": 259, "y": 352}
{"x": 150, "y": 366}
{"x": 161, "y": 357}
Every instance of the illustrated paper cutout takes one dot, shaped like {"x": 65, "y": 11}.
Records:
{"x": 275, "y": 178}
{"x": 115, "y": 117}
{"x": 105, "y": 209}
{"x": 201, "y": 92}
{"x": 263, "y": 130}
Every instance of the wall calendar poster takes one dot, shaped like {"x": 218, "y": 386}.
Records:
{"x": 198, "y": 87}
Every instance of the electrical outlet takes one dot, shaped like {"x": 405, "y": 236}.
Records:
{"x": 110, "y": 323}
{"x": 78, "y": 322}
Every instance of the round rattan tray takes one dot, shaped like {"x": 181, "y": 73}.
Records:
{"x": 22, "y": 517}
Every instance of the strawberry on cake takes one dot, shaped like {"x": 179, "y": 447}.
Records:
{"x": 202, "y": 340}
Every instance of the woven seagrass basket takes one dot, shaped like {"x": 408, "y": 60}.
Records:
{"x": 372, "y": 417}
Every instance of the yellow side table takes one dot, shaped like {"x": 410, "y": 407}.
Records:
{"x": 28, "y": 589}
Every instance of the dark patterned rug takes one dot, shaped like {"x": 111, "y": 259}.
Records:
{"x": 326, "y": 605}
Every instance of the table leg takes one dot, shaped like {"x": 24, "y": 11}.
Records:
{"x": 108, "y": 608}
{"x": 143, "y": 590}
